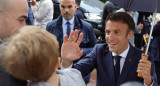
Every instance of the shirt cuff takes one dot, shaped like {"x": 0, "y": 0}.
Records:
{"x": 67, "y": 67}
{"x": 151, "y": 84}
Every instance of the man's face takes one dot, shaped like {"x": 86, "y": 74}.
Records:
{"x": 13, "y": 18}
{"x": 116, "y": 36}
{"x": 68, "y": 8}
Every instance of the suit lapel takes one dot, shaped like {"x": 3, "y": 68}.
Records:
{"x": 109, "y": 67}
{"x": 130, "y": 59}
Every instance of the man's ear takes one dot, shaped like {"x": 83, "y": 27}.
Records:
{"x": 75, "y": 7}
{"x": 130, "y": 34}
{"x": 58, "y": 65}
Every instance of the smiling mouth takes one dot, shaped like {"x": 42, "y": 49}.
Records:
{"x": 112, "y": 44}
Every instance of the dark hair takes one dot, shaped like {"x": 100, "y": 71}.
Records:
{"x": 78, "y": 2}
{"x": 123, "y": 17}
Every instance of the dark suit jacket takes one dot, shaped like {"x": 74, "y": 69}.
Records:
{"x": 101, "y": 59}
{"x": 155, "y": 43}
{"x": 7, "y": 80}
{"x": 79, "y": 13}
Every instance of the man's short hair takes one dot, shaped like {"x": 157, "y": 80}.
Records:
{"x": 31, "y": 54}
{"x": 123, "y": 17}
{"x": 78, "y": 2}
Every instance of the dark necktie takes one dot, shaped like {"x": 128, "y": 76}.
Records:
{"x": 117, "y": 68}
{"x": 68, "y": 28}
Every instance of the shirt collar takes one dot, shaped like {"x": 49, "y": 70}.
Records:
{"x": 71, "y": 21}
{"x": 123, "y": 54}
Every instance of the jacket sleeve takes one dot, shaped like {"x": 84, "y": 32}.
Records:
{"x": 91, "y": 43}
{"x": 87, "y": 64}
{"x": 153, "y": 73}
{"x": 156, "y": 29}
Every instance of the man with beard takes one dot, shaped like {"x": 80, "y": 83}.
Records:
{"x": 13, "y": 14}
{"x": 67, "y": 22}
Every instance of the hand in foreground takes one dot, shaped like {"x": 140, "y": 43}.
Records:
{"x": 70, "y": 50}
{"x": 144, "y": 68}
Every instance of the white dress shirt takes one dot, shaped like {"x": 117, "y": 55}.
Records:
{"x": 43, "y": 13}
{"x": 123, "y": 57}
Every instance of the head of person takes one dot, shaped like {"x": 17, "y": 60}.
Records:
{"x": 13, "y": 14}
{"x": 119, "y": 30}
{"x": 31, "y": 54}
{"x": 68, "y": 8}
{"x": 78, "y": 2}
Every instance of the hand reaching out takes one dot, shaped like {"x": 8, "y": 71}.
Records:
{"x": 70, "y": 50}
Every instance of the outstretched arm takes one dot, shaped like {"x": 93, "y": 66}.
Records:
{"x": 70, "y": 50}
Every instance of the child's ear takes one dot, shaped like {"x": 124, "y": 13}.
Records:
{"x": 58, "y": 62}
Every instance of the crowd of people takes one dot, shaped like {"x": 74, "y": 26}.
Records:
{"x": 64, "y": 51}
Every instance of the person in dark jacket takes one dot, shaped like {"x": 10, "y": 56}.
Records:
{"x": 116, "y": 61}
{"x": 108, "y": 8}
{"x": 13, "y": 15}
{"x": 59, "y": 27}
{"x": 79, "y": 12}
{"x": 155, "y": 49}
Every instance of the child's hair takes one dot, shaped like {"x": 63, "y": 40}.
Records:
{"x": 31, "y": 54}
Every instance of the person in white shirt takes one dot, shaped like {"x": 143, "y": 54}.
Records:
{"x": 43, "y": 12}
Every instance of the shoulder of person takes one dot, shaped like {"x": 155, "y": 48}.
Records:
{"x": 139, "y": 52}
{"x": 53, "y": 22}
{"x": 70, "y": 77}
{"x": 85, "y": 23}
{"x": 101, "y": 47}
{"x": 48, "y": 2}
{"x": 40, "y": 84}
{"x": 68, "y": 71}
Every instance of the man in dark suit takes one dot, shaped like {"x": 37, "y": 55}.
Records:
{"x": 117, "y": 61}
{"x": 13, "y": 14}
{"x": 60, "y": 27}
{"x": 69, "y": 21}
{"x": 155, "y": 49}
{"x": 79, "y": 12}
